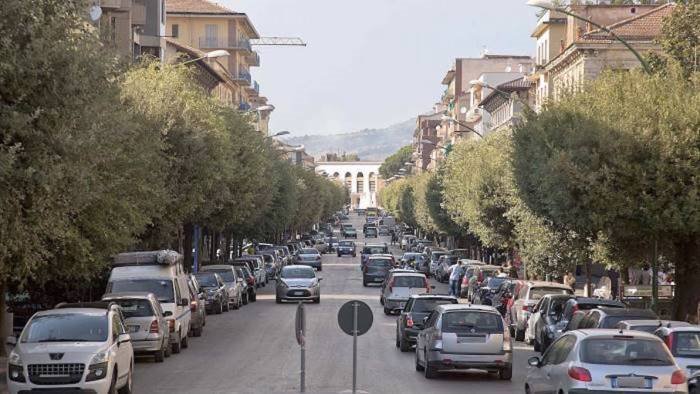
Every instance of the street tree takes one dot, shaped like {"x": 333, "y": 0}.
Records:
{"x": 393, "y": 163}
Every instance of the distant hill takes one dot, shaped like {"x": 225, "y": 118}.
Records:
{"x": 369, "y": 144}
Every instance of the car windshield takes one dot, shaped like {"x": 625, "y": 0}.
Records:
{"x": 226, "y": 275}
{"x": 345, "y": 243}
{"x": 409, "y": 281}
{"x": 297, "y": 273}
{"x": 162, "y": 288}
{"x": 374, "y": 250}
{"x": 472, "y": 322}
{"x": 687, "y": 344}
{"x": 538, "y": 292}
{"x": 135, "y": 308}
{"x": 624, "y": 350}
{"x": 207, "y": 280}
{"x": 422, "y": 305}
{"x": 308, "y": 251}
{"x": 68, "y": 327}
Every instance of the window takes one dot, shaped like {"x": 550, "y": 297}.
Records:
{"x": 211, "y": 34}
{"x": 176, "y": 30}
{"x": 624, "y": 350}
{"x": 467, "y": 321}
{"x": 559, "y": 351}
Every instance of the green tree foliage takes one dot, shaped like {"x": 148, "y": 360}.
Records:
{"x": 393, "y": 163}
{"x": 680, "y": 36}
{"x": 423, "y": 218}
{"x": 434, "y": 199}
{"x": 622, "y": 160}
{"x": 397, "y": 198}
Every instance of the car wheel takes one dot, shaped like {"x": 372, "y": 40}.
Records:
{"x": 338, "y": 254}
{"x": 185, "y": 343}
{"x": 519, "y": 334}
{"x": 227, "y": 306}
{"x": 278, "y": 300}
{"x": 128, "y": 387}
{"x": 381, "y": 301}
{"x": 317, "y": 300}
{"x": 430, "y": 372}
{"x": 419, "y": 367}
{"x": 177, "y": 346}
{"x": 354, "y": 255}
{"x": 253, "y": 297}
{"x": 219, "y": 308}
{"x": 168, "y": 348}
{"x": 506, "y": 373}
{"x": 398, "y": 344}
{"x": 159, "y": 356}
{"x": 364, "y": 283}
{"x": 197, "y": 332}
{"x": 237, "y": 304}
{"x": 536, "y": 345}
{"x": 404, "y": 346}
{"x": 387, "y": 311}
{"x": 320, "y": 268}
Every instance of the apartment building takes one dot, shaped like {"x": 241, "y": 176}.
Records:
{"x": 479, "y": 118}
{"x": 550, "y": 35}
{"x": 425, "y": 142}
{"x": 504, "y": 105}
{"x": 208, "y": 26}
{"x": 587, "y": 51}
{"x": 133, "y": 27}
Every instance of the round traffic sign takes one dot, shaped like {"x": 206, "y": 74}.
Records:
{"x": 346, "y": 317}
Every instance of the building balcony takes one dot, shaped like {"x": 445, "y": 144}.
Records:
{"x": 243, "y": 76}
{"x": 221, "y": 43}
{"x": 253, "y": 88}
{"x": 253, "y": 59}
{"x": 115, "y": 4}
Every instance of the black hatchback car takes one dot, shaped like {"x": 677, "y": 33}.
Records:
{"x": 410, "y": 321}
{"x": 376, "y": 269}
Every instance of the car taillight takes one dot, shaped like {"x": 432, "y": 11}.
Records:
{"x": 193, "y": 306}
{"x": 409, "y": 320}
{"x": 171, "y": 325}
{"x": 154, "y": 329}
{"x": 526, "y": 308}
{"x": 678, "y": 377}
{"x": 580, "y": 374}
{"x": 668, "y": 340}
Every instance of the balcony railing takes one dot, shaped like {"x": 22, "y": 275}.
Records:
{"x": 243, "y": 76}
{"x": 254, "y": 59}
{"x": 255, "y": 86}
{"x": 220, "y": 43}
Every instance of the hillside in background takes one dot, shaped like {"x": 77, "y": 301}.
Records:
{"x": 369, "y": 144}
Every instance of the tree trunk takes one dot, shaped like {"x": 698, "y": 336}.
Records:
{"x": 687, "y": 277}
{"x": 3, "y": 320}
{"x": 188, "y": 244}
{"x": 227, "y": 247}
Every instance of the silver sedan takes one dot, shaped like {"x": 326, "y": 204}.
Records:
{"x": 298, "y": 282}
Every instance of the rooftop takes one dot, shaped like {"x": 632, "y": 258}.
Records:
{"x": 645, "y": 26}
{"x": 197, "y": 7}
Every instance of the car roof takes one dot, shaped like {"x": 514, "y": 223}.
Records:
{"x": 467, "y": 307}
{"x": 611, "y": 332}
{"x": 542, "y": 283}
{"x": 141, "y": 295}
{"x": 598, "y": 301}
{"x": 660, "y": 323}
{"x": 298, "y": 266}
{"x": 409, "y": 273}
{"x": 434, "y": 296}
{"x": 70, "y": 311}
{"x": 678, "y": 326}
{"x": 376, "y": 244}
{"x": 380, "y": 257}
{"x": 309, "y": 249}
{"x": 626, "y": 311}
{"x": 216, "y": 267}
{"x": 566, "y": 296}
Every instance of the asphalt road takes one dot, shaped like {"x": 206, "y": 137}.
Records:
{"x": 253, "y": 350}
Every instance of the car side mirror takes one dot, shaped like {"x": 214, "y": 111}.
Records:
{"x": 534, "y": 362}
{"x": 184, "y": 302}
{"x": 123, "y": 338}
{"x": 11, "y": 341}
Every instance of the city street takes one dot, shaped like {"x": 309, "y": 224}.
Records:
{"x": 253, "y": 350}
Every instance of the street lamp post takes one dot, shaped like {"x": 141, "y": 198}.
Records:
{"x": 451, "y": 119}
{"x": 548, "y": 5}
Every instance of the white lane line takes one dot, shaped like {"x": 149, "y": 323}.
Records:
{"x": 330, "y": 297}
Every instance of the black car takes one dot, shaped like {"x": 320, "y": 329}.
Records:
{"x": 606, "y": 317}
{"x": 376, "y": 270}
{"x": 486, "y": 293}
{"x": 370, "y": 249}
{"x": 346, "y": 247}
{"x": 575, "y": 310}
{"x": 410, "y": 321}
{"x": 547, "y": 324}
{"x": 215, "y": 291}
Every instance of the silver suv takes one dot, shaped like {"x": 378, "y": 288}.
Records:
{"x": 460, "y": 336}
{"x": 399, "y": 286}
{"x": 75, "y": 346}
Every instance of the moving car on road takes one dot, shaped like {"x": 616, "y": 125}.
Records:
{"x": 546, "y": 324}
{"x": 346, "y": 247}
{"x": 371, "y": 232}
{"x": 215, "y": 290}
{"x": 144, "y": 322}
{"x": 96, "y": 353}
{"x": 298, "y": 282}
{"x": 464, "y": 337}
{"x": 372, "y": 249}
{"x": 605, "y": 361}
{"x": 400, "y": 287}
{"x": 310, "y": 257}
{"x": 410, "y": 322}
{"x": 376, "y": 269}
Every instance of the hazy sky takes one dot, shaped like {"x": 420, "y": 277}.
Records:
{"x": 372, "y": 63}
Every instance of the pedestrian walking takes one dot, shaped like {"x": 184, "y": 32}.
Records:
{"x": 393, "y": 237}
{"x": 455, "y": 270}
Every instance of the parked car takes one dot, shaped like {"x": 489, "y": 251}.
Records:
{"x": 197, "y": 307}
{"x": 485, "y": 294}
{"x": 371, "y": 249}
{"x": 215, "y": 291}
{"x": 271, "y": 266}
{"x": 82, "y": 346}
{"x": 433, "y": 258}
{"x": 298, "y": 282}
{"x": 346, "y": 247}
{"x": 410, "y": 321}
{"x": 418, "y": 261}
{"x": 162, "y": 273}
{"x": 376, "y": 269}
{"x": 400, "y": 287}
{"x": 406, "y": 241}
{"x": 257, "y": 267}
{"x": 293, "y": 248}
{"x": 462, "y": 336}
{"x": 476, "y": 276}
{"x": 145, "y": 323}
{"x": 383, "y": 230}
{"x": 683, "y": 341}
{"x": 530, "y": 293}
{"x": 504, "y": 296}
{"x": 444, "y": 262}
{"x": 575, "y": 309}
{"x": 605, "y": 361}
{"x": 286, "y": 255}
{"x": 650, "y": 326}
{"x": 546, "y": 325}
{"x": 310, "y": 257}
{"x": 420, "y": 244}
{"x": 233, "y": 284}
{"x": 250, "y": 293}
{"x": 605, "y": 317}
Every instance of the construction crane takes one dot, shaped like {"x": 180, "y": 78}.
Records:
{"x": 278, "y": 41}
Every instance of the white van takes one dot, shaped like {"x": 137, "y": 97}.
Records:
{"x": 161, "y": 273}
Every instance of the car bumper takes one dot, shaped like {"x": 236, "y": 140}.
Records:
{"x": 373, "y": 278}
{"x": 345, "y": 251}
{"x": 298, "y": 294}
{"x": 410, "y": 334}
{"x": 314, "y": 264}
{"x": 149, "y": 346}
{"x": 442, "y": 360}
{"x": 94, "y": 387}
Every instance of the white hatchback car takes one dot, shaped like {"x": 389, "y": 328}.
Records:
{"x": 73, "y": 347}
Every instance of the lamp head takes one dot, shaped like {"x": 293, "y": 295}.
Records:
{"x": 216, "y": 53}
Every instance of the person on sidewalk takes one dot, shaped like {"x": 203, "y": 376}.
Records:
{"x": 569, "y": 279}
{"x": 455, "y": 270}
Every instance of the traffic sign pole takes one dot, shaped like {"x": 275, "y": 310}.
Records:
{"x": 300, "y": 333}
{"x": 354, "y": 347}
{"x": 355, "y": 318}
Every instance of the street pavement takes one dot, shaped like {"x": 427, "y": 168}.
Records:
{"x": 253, "y": 350}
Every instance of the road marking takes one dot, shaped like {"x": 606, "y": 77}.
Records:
{"x": 330, "y": 297}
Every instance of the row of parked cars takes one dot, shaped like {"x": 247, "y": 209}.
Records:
{"x": 152, "y": 307}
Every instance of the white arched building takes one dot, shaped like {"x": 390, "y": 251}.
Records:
{"x": 360, "y": 177}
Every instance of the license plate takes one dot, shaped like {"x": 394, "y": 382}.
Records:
{"x": 472, "y": 339}
{"x": 298, "y": 293}
{"x": 635, "y": 382}
{"x": 378, "y": 279}
{"x": 133, "y": 328}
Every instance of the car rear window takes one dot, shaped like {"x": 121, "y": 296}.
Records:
{"x": 623, "y": 350}
{"x": 345, "y": 243}
{"x": 687, "y": 344}
{"x": 374, "y": 250}
{"x": 308, "y": 251}
{"x": 495, "y": 282}
{"x": 422, "y": 305}
{"x": 538, "y": 292}
{"x": 472, "y": 322}
{"x": 409, "y": 281}
{"x": 207, "y": 280}
{"x": 611, "y": 321}
{"x": 135, "y": 308}
{"x": 380, "y": 263}
{"x": 161, "y": 288}
{"x": 226, "y": 275}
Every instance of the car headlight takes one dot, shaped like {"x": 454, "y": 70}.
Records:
{"x": 15, "y": 359}
{"x": 97, "y": 372}
{"x": 101, "y": 357}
